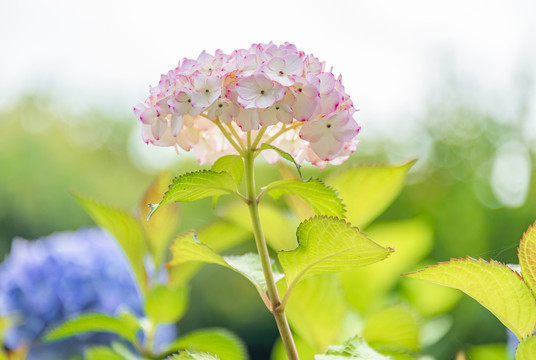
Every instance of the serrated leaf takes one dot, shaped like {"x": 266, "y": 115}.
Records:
{"x": 186, "y": 355}
{"x": 166, "y": 304}
{"x": 125, "y": 229}
{"x": 220, "y": 342}
{"x": 285, "y": 155}
{"x": 220, "y": 236}
{"x": 526, "y": 349}
{"x": 279, "y": 229}
{"x": 352, "y": 349}
{"x": 93, "y": 323}
{"x": 368, "y": 190}
{"x": 195, "y": 186}
{"x": 160, "y": 229}
{"x": 316, "y": 310}
{"x": 328, "y": 245}
{"x": 187, "y": 248}
{"x": 527, "y": 257}
{"x": 322, "y": 199}
{"x": 494, "y": 285}
{"x": 231, "y": 164}
{"x": 101, "y": 353}
{"x": 396, "y": 328}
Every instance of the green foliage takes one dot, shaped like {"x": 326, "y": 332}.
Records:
{"x": 526, "y": 348}
{"x": 126, "y": 230}
{"x": 527, "y": 257}
{"x": 165, "y": 304}
{"x": 197, "y": 185}
{"x": 101, "y": 353}
{"x": 328, "y": 245}
{"x": 231, "y": 164}
{"x": 322, "y": 199}
{"x": 121, "y": 325}
{"x": 285, "y": 155}
{"x": 352, "y": 349}
{"x": 490, "y": 352}
{"x": 220, "y": 342}
{"x": 305, "y": 351}
{"x": 186, "y": 355}
{"x": 368, "y": 190}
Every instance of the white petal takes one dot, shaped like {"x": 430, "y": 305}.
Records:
{"x": 268, "y": 117}
{"x": 149, "y": 116}
{"x": 175, "y": 123}
{"x": 247, "y": 88}
{"x": 248, "y": 119}
{"x": 158, "y": 128}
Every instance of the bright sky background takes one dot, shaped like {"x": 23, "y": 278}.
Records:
{"x": 391, "y": 53}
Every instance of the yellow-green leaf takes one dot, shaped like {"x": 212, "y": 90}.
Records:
{"x": 492, "y": 284}
{"x": 101, "y": 353}
{"x": 126, "y": 230}
{"x": 526, "y": 349}
{"x": 166, "y": 304}
{"x": 160, "y": 229}
{"x": 352, "y": 349}
{"x": 187, "y": 248}
{"x": 305, "y": 350}
{"x": 328, "y": 245}
{"x": 220, "y": 342}
{"x": 527, "y": 257}
{"x": 231, "y": 164}
{"x": 395, "y": 328}
{"x": 187, "y": 355}
{"x": 322, "y": 199}
{"x": 368, "y": 190}
{"x": 285, "y": 155}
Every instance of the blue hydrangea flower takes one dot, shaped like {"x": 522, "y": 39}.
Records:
{"x": 46, "y": 281}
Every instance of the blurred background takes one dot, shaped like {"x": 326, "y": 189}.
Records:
{"x": 450, "y": 83}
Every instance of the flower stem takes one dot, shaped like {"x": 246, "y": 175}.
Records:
{"x": 262, "y": 248}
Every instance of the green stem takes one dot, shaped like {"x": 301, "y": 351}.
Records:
{"x": 279, "y": 314}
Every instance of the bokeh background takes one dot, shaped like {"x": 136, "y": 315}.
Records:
{"x": 450, "y": 83}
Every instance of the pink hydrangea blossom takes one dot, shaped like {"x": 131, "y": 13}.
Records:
{"x": 277, "y": 94}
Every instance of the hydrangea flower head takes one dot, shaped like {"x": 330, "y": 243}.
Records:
{"x": 277, "y": 94}
{"x": 46, "y": 281}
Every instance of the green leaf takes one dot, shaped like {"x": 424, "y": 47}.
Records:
{"x": 328, "y": 245}
{"x": 322, "y": 199}
{"x": 526, "y": 348}
{"x": 220, "y": 342}
{"x": 527, "y": 257}
{"x": 352, "y": 349}
{"x": 368, "y": 190}
{"x": 186, "y": 355}
{"x": 285, "y": 155}
{"x": 166, "y": 304}
{"x": 220, "y": 236}
{"x": 316, "y": 310}
{"x": 494, "y": 285}
{"x": 2, "y": 355}
{"x": 4, "y": 325}
{"x": 197, "y": 185}
{"x": 101, "y": 353}
{"x": 94, "y": 323}
{"x": 160, "y": 230}
{"x": 305, "y": 351}
{"x": 187, "y": 248}
{"x": 231, "y": 164}
{"x": 412, "y": 239}
{"x": 489, "y": 352}
{"x": 126, "y": 230}
{"x": 396, "y": 328}
{"x": 278, "y": 228}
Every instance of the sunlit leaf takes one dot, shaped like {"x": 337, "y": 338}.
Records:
{"x": 527, "y": 257}
{"x": 160, "y": 229}
{"x": 429, "y": 298}
{"x": 101, "y": 353}
{"x": 186, "y": 355}
{"x": 93, "y": 323}
{"x": 352, "y": 349}
{"x": 489, "y": 352}
{"x": 187, "y": 248}
{"x": 395, "y": 328}
{"x": 368, "y": 190}
{"x": 412, "y": 240}
{"x": 526, "y": 349}
{"x": 166, "y": 304}
{"x": 305, "y": 351}
{"x": 126, "y": 230}
{"x": 231, "y": 164}
{"x": 328, "y": 245}
{"x": 219, "y": 235}
{"x": 296, "y": 204}
{"x": 494, "y": 285}
{"x": 220, "y": 342}
{"x": 316, "y": 310}
{"x": 285, "y": 155}
{"x": 322, "y": 199}
{"x": 195, "y": 186}
{"x": 279, "y": 229}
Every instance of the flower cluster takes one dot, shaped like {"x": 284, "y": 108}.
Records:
{"x": 277, "y": 94}
{"x": 46, "y": 281}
